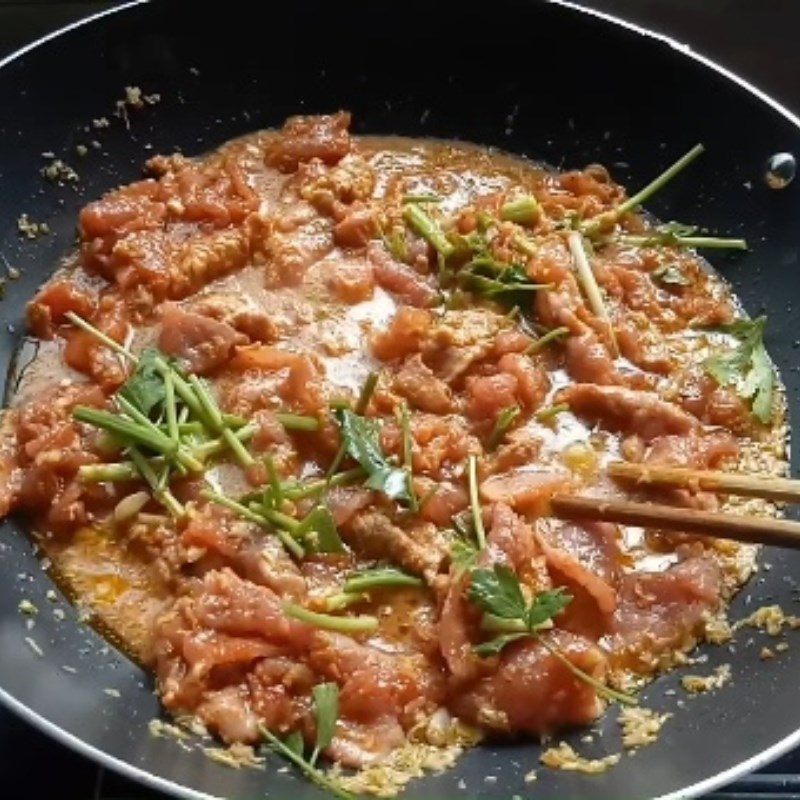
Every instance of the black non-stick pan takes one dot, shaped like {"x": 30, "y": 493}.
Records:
{"x": 540, "y": 79}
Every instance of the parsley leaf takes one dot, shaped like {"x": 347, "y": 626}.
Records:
{"x": 145, "y": 389}
{"x": 747, "y": 368}
{"x": 497, "y": 592}
{"x": 463, "y": 554}
{"x": 320, "y": 532}
{"x": 545, "y": 606}
{"x": 294, "y": 743}
{"x": 326, "y": 712}
{"x": 360, "y": 436}
{"x": 494, "y": 646}
{"x": 671, "y": 275}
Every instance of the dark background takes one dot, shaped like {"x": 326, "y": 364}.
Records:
{"x": 757, "y": 39}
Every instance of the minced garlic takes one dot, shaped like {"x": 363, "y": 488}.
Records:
{"x": 565, "y": 758}
{"x": 697, "y": 684}
{"x": 640, "y": 726}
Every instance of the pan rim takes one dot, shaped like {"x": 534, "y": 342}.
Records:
{"x": 150, "y": 780}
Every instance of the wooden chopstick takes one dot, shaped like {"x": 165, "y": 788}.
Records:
{"x": 784, "y": 489}
{"x": 757, "y": 530}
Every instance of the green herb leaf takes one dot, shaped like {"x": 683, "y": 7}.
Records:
{"x": 463, "y": 554}
{"x": 145, "y": 389}
{"x": 545, "y": 606}
{"x": 326, "y": 712}
{"x": 747, "y": 368}
{"x": 361, "y": 437}
{"x": 320, "y": 532}
{"x": 494, "y": 646}
{"x": 671, "y": 275}
{"x": 294, "y": 742}
{"x": 497, "y": 592}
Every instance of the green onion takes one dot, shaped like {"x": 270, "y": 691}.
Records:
{"x": 329, "y": 622}
{"x": 475, "y": 503}
{"x": 422, "y": 198}
{"x": 523, "y": 210}
{"x": 426, "y": 227}
{"x": 297, "y": 422}
{"x": 379, "y": 578}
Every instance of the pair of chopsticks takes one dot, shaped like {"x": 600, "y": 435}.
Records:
{"x": 757, "y": 530}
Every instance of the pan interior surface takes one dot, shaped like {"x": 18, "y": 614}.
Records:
{"x": 539, "y": 80}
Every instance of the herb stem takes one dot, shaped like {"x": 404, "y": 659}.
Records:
{"x": 546, "y": 414}
{"x": 425, "y": 226}
{"x": 101, "y": 473}
{"x": 81, "y": 323}
{"x": 157, "y": 487}
{"x": 523, "y": 210}
{"x": 408, "y": 455}
{"x": 474, "y": 501}
{"x": 312, "y": 773}
{"x": 342, "y": 600}
{"x": 169, "y": 404}
{"x": 697, "y": 242}
{"x": 364, "y": 396}
{"x": 274, "y": 480}
{"x": 604, "y": 691}
{"x": 214, "y": 416}
{"x": 297, "y": 422}
{"x": 125, "y": 428}
{"x": 551, "y": 336}
{"x": 247, "y": 513}
{"x": 590, "y": 287}
{"x": 593, "y": 225}
{"x": 505, "y": 419}
{"x": 328, "y": 622}
{"x": 214, "y": 447}
{"x": 281, "y": 520}
{"x": 318, "y": 487}
{"x": 380, "y": 578}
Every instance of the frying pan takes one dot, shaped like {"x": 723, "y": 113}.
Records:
{"x": 542, "y": 80}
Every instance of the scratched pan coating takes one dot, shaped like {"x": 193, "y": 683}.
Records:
{"x": 537, "y": 79}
